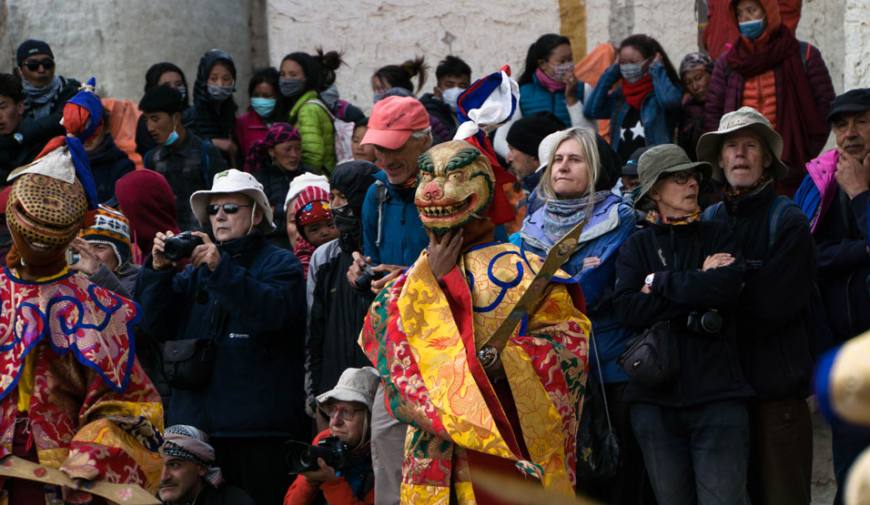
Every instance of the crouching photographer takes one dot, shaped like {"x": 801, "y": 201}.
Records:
{"x": 233, "y": 319}
{"x": 337, "y": 467}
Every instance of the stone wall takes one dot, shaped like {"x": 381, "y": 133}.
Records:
{"x": 117, "y": 40}
{"x": 372, "y": 33}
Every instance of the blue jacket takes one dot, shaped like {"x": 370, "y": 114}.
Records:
{"x": 253, "y": 306}
{"x": 658, "y": 113}
{"x": 397, "y": 237}
{"x": 598, "y": 282}
{"x": 535, "y": 98}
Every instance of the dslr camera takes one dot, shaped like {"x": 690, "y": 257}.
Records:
{"x": 180, "y": 246}
{"x": 709, "y": 321}
{"x": 302, "y": 457}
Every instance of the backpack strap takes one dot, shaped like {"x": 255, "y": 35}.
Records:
{"x": 383, "y": 195}
{"x": 804, "y": 48}
{"x": 204, "y": 161}
{"x": 774, "y": 216}
{"x": 711, "y": 212}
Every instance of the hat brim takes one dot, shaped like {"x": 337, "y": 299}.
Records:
{"x": 701, "y": 166}
{"x": 710, "y": 143}
{"x": 199, "y": 202}
{"x": 846, "y": 108}
{"x": 344, "y": 395}
{"x": 388, "y": 139}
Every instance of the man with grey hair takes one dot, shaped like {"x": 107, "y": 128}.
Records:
{"x": 393, "y": 238}
{"x": 773, "y": 317}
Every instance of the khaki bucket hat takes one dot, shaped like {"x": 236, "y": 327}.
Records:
{"x": 744, "y": 118}
{"x": 233, "y": 181}
{"x": 664, "y": 159}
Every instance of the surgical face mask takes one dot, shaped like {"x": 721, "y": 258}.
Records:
{"x": 263, "y": 106}
{"x": 348, "y": 224}
{"x": 220, "y": 93}
{"x": 172, "y": 138}
{"x": 631, "y": 72}
{"x": 330, "y": 96}
{"x": 451, "y": 96}
{"x": 752, "y": 29}
{"x": 291, "y": 87}
{"x": 563, "y": 69}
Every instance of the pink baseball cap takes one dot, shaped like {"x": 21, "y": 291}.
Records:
{"x": 393, "y": 120}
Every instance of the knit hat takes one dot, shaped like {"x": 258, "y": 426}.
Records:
{"x": 188, "y": 443}
{"x": 630, "y": 167}
{"x": 258, "y": 155}
{"x": 31, "y": 47}
{"x": 527, "y": 133}
{"x": 355, "y": 385}
{"x": 111, "y": 228}
{"x": 162, "y": 99}
{"x": 229, "y": 182}
{"x": 694, "y": 60}
{"x": 744, "y": 118}
{"x": 303, "y": 181}
{"x": 664, "y": 159}
{"x": 312, "y": 206}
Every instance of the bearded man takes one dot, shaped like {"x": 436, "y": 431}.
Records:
{"x": 476, "y": 396}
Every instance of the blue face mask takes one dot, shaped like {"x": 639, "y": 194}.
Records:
{"x": 171, "y": 139}
{"x": 263, "y": 106}
{"x": 752, "y": 29}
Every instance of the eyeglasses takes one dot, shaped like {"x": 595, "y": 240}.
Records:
{"x": 339, "y": 413}
{"x": 229, "y": 208}
{"x": 33, "y": 65}
{"x": 683, "y": 177}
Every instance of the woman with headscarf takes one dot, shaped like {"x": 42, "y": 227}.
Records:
{"x": 337, "y": 310}
{"x": 275, "y": 161}
{"x": 159, "y": 74}
{"x": 213, "y": 116}
{"x": 146, "y": 198}
{"x": 695, "y": 71}
{"x": 785, "y": 79}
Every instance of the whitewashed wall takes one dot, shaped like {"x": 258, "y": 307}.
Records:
{"x": 373, "y": 33}
{"x": 117, "y": 40}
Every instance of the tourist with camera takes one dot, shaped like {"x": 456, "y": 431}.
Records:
{"x": 677, "y": 281}
{"x": 774, "y": 322}
{"x": 337, "y": 467}
{"x": 234, "y": 319}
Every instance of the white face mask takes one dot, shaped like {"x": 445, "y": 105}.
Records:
{"x": 450, "y": 96}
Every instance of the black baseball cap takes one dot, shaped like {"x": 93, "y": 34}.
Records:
{"x": 31, "y": 47}
{"x": 854, "y": 100}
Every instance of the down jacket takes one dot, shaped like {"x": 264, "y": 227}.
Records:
{"x": 318, "y": 135}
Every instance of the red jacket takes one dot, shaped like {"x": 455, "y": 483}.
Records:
{"x": 337, "y": 492}
{"x": 250, "y": 128}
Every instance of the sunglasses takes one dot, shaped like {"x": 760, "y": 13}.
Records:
{"x": 229, "y": 208}
{"x": 33, "y": 65}
{"x": 683, "y": 177}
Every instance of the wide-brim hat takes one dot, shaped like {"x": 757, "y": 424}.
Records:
{"x": 744, "y": 118}
{"x": 355, "y": 385}
{"x": 228, "y": 182}
{"x": 664, "y": 159}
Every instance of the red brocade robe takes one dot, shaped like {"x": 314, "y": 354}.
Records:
{"x": 420, "y": 334}
{"x": 72, "y": 394}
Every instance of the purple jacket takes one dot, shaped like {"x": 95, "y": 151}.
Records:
{"x": 725, "y": 94}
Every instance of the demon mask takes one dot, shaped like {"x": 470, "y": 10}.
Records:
{"x": 456, "y": 185}
{"x": 44, "y": 215}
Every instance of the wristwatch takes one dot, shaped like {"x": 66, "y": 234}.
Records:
{"x": 649, "y": 280}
